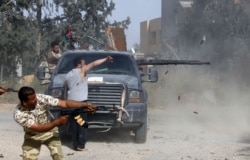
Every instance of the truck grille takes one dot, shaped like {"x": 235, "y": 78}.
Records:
{"x": 106, "y": 95}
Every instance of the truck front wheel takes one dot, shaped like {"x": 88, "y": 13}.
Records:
{"x": 141, "y": 131}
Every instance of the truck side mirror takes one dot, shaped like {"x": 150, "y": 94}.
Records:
{"x": 153, "y": 75}
{"x": 41, "y": 73}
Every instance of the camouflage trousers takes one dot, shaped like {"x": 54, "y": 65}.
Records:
{"x": 31, "y": 148}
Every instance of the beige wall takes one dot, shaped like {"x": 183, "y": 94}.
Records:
{"x": 150, "y": 36}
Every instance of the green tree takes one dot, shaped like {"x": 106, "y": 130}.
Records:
{"x": 31, "y": 26}
{"x": 14, "y": 37}
{"x": 89, "y": 18}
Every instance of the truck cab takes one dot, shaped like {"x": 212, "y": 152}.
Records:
{"x": 116, "y": 89}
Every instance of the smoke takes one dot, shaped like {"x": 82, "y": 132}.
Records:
{"x": 217, "y": 95}
{"x": 195, "y": 94}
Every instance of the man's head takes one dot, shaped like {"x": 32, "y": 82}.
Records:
{"x": 55, "y": 47}
{"x": 78, "y": 62}
{"x": 27, "y": 97}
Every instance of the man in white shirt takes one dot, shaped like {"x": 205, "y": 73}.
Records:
{"x": 77, "y": 86}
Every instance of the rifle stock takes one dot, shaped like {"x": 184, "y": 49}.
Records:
{"x": 81, "y": 110}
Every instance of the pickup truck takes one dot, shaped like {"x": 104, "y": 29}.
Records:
{"x": 115, "y": 88}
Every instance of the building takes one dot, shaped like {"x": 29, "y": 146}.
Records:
{"x": 150, "y": 36}
{"x": 157, "y": 35}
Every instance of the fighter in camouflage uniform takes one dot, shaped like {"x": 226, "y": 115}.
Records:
{"x": 32, "y": 114}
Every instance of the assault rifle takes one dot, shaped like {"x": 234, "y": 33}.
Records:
{"x": 85, "y": 110}
{"x": 76, "y": 114}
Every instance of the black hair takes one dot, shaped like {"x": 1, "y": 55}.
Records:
{"x": 24, "y": 92}
{"x": 54, "y": 43}
{"x": 77, "y": 61}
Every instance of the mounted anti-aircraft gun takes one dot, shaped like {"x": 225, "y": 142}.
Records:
{"x": 171, "y": 62}
{"x": 143, "y": 64}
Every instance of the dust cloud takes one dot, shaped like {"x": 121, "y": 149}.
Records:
{"x": 199, "y": 94}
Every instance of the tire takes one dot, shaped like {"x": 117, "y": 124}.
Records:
{"x": 141, "y": 131}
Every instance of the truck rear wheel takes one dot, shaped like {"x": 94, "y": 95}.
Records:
{"x": 141, "y": 132}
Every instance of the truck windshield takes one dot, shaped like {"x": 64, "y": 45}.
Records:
{"x": 121, "y": 64}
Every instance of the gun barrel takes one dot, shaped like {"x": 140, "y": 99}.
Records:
{"x": 77, "y": 111}
{"x": 9, "y": 89}
{"x": 171, "y": 62}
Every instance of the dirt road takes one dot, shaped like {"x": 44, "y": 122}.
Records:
{"x": 176, "y": 132}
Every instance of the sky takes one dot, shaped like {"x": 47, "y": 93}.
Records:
{"x": 138, "y": 11}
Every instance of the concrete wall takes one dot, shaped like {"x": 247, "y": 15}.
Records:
{"x": 159, "y": 35}
{"x": 150, "y": 36}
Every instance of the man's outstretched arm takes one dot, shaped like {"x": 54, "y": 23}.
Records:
{"x": 98, "y": 62}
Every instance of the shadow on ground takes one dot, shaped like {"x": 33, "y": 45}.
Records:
{"x": 100, "y": 135}
{"x": 245, "y": 151}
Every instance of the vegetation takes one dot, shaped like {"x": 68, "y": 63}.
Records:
{"x": 219, "y": 30}
{"x": 28, "y": 27}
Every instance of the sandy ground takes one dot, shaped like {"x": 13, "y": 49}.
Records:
{"x": 181, "y": 131}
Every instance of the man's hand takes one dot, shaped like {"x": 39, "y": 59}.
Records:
{"x": 90, "y": 108}
{"x": 48, "y": 126}
{"x": 6, "y": 89}
{"x": 3, "y": 90}
{"x": 109, "y": 59}
{"x": 62, "y": 119}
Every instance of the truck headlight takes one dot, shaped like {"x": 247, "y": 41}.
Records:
{"x": 57, "y": 92}
{"x": 135, "y": 96}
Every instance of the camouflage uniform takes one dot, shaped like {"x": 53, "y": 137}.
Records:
{"x": 52, "y": 59}
{"x": 33, "y": 140}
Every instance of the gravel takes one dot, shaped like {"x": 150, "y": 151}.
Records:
{"x": 177, "y": 131}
